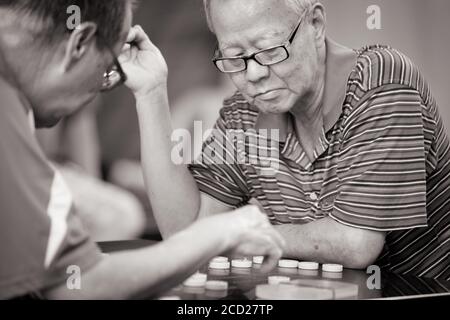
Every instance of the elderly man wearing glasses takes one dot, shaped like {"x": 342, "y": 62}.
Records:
{"x": 363, "y": 157}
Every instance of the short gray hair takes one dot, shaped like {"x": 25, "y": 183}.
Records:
{"x": 297, "y": 5}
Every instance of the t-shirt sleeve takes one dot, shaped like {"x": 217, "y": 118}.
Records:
{"x": 218, "y": 171}
{"x": 382, "y": 165}
{"x": 40, "y": 234}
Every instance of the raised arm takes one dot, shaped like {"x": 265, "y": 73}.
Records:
{"x": 172, "y": 191}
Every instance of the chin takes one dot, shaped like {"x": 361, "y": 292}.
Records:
{"x": 279, "y": 105}
{"x": 272, "y": 108}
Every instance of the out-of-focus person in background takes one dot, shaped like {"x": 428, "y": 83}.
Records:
{"x": 106, "y": 210}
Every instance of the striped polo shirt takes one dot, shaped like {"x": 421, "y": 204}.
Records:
{"x": 381, "y": 163}
{"x": 41, "y": 237}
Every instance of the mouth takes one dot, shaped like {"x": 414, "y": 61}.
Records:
{"x": 268, "y": 95}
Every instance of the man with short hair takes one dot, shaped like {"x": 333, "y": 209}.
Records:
{"x": 48, "y": 71}
{"x": 362, "y": 154}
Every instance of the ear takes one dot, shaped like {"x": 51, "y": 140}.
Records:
{"x": 319, "y": 23}
{"x": 80, "y": 41}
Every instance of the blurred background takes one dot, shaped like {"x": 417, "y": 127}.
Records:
{"x": 102, "y": 144}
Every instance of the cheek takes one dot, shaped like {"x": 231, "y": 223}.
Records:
{"x": 241, "y": 84}
{"x": 97, "y": 77}
{"x": 93, "y": 80}
{"x": 297, "y": 76}
{"x": 93, "y": 77}
{"x": 238, "y": 81}
{"x": 303, "y": 65}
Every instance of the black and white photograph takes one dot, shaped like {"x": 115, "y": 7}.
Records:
{"x": 227, "y": 155}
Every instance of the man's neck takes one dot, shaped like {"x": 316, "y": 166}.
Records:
{"x": 308, "y": 117}
{"x": 308, "y": 112}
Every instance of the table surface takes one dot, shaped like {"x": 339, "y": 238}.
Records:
{"x": 242, "y": 282}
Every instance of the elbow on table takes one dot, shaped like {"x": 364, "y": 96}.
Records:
{"x": 365, "y": 248}
{"x": 361, "y": 261}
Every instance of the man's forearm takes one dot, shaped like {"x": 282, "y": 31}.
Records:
{"x": 327, "y": 241}
{"x": 149, "y": 271}
{"x": 173, "y": 193}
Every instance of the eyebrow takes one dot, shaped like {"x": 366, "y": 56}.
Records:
{"x": 266, "y": 36}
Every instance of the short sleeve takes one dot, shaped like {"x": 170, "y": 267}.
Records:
{"x": 217, "y": 171}
{"x": 382, "y": 166}
{"x": 40, "y": 234}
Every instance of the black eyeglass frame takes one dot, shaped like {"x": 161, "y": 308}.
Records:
{"x": 254, "y": 55}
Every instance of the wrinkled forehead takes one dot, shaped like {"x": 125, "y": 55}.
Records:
{"x": 250, "y": 20}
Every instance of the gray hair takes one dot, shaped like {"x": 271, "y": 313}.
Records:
{"x": 298, "y": 6}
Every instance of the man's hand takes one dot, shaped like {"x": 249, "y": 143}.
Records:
{"x": 248, "y": 233}
{"x": 143, "y": 63}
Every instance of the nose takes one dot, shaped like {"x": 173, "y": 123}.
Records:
{"x": 256, "y": 72}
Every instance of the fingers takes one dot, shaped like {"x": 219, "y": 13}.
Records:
{"x": 258, "y": 237}
{"x": 128, "y": 53}
{"x": 276, "y": 237}
{"x": 271, "y": 259}
{"x": 263, "y": 245}
{"x": 126, "y": 48}
{"x": 253, "y": 216}
{"x": 137, "y": 37}
{"x": 262, "y": 222}
{"x": 273, "y": 250}
{"x": 261, "y": 242}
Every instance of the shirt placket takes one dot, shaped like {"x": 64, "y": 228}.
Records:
{"x": 294, "y": 152}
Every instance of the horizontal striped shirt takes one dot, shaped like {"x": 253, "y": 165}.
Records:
{"x": 381, "y": 163}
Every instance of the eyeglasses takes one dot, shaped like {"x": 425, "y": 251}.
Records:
{"x": 114, "y": 76}
{"x": 265, "y": 57}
